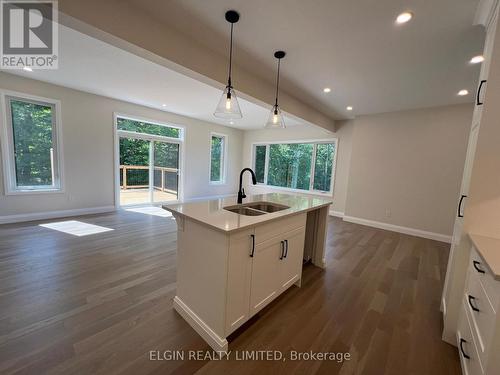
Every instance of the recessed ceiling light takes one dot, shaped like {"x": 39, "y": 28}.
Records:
{"x": 231, "y": 122}
{"x": 349, "y": 108}
{"x": 27, "y": 68}
{"x": 477, "y": 59}
{"x": 327, "y": 89}
{"x": 404, "y": 17}
{"x": 463, "y": 92}
{"x": 163, "y": 105}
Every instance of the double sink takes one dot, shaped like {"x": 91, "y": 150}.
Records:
{"x": 256, "y": 208}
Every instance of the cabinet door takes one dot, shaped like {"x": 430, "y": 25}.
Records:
{"x": 291, "y": 264}
{"x": 265, "y": 274}
{"x": 239, "y": 273}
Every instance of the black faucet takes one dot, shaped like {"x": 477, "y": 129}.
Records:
{"x": 241, "y": 191}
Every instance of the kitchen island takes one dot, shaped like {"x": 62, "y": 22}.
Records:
{"x": 234, "y": 259}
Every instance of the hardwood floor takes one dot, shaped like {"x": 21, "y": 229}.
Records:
{"x": 99, "y": 304}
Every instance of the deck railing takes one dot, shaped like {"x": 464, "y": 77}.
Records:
{"x": 161, "y": 184}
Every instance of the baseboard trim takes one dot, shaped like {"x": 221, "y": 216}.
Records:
{"x": 217, "y": 343}
{"x": 9, "y": 219}
{"x": 396, "y": 228}
{"x": 336, "y": 213}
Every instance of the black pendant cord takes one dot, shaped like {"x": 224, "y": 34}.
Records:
{"x": 230, "y": 57}
{"x": 277, "y": 83}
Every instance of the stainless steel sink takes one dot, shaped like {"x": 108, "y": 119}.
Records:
{"x": 241, "y": 210}
{"x": 256, "y": 208}
{"x": 266, "y": 206}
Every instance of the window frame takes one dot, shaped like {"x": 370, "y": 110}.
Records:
{"x": 7, "y": 144}
{"x": 148, "y": 137}
{"x": 224, "y": 138}
{"x": 311, "y": 189}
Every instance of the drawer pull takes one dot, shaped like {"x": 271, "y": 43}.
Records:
{"x": 471, "y": 298}
{"x": 282, "y": 250}
{"x": 466, "y": 356}
{"x": 286, "y": 248}
{"x": 253, "y": 245}
{"x": 475, "y": 263}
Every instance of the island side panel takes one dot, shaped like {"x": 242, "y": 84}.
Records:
{"x": 316, "y": 234}
{"x": 202, "y": 272}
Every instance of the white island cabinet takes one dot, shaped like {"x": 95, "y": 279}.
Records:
{"x": 232, "y": 265}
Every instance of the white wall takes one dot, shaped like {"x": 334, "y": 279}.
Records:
{"x": 343, "y": 134}
{"x": 87, "y": 130}
{"x": 406, "y": 167}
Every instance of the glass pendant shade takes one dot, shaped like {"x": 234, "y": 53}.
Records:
{"x": 275, "y": 120}
{"x": 228, "y": 107}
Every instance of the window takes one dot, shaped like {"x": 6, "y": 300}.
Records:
{"x": 217, "y": 159}
{"x": 138, "y": 126}
{"x": 31, "y": 149}
{"x": 307, "y": 166}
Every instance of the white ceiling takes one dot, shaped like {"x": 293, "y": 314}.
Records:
{"x": 90, "y": 65}
{"x": 354, "y": 47}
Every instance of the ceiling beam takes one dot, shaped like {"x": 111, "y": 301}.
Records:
{"x": 129, "y": 28}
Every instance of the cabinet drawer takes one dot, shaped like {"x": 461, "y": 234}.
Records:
{"x": 278, "y": 227}
{"x": 482, "y": 316}
{"x": 490, "y": 285}
{"x": 467, "y": 350}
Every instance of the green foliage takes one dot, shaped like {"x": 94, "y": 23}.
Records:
{"x": 215, "y": 162}
{"x": 260, "y": 162}
{"x": 323, "y": 166}
{"x": 32, "y": 131}
{"x": 290, "y": 165}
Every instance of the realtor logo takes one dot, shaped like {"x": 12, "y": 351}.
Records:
{"x": 28, "y": 34}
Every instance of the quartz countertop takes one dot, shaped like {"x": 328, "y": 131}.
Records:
{"x": 213, "y": 214}
{"x": 489, "y": 249}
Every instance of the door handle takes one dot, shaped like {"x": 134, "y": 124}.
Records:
{"x": 460, "y": 205}
{"x": 462, "y": 348}
{"x": 471, "y": 298}
{"x": 282, "y": 249}
{"x": 478, "y": 102}
{"x": 475, "y": 263}
{"x": 252, "y": 236}
{"x": 286, "y": 248}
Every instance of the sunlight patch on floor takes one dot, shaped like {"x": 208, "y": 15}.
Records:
{"x": 76, "y": 228}
{"x": 150, "y": 210}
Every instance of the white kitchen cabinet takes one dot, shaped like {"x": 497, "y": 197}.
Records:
{"x": 266, "y": 273}
{"x": 226, "y": 278}
{"x": 239, "y": 274}
{"x": 277, "y": 265}
{"x": 451, "y": 302}
{"x": 478, "y": 332}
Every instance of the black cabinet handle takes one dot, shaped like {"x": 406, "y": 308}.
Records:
{"x": 478, "y": 102}
{"x": 475, "y": 263}
{"x": 460, "y": 205}
{"x": 252, "y": 236}
{"x": 286, "y": 248}
{"x": 471, "y": 298}
{"x": 282, "y": 249}
{"x": 462, "y": 349}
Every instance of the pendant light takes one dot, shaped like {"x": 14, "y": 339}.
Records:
{"x": 276, "y": 120}
{"x": 228, "y": 107}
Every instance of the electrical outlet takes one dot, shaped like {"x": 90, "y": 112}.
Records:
{"x": 387, "y": 212}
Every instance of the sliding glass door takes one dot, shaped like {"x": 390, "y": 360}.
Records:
{"x": 134, "y": 171}
{"x": 166, "y": 171}
{"x": 149, "y": 161}
{"x": 149, "y": 171}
